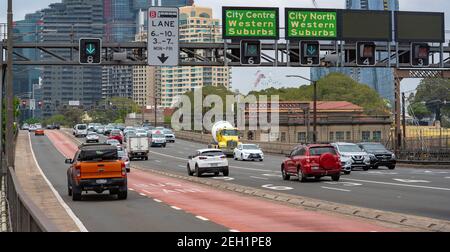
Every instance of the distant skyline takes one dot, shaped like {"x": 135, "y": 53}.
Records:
{"x": 244, "y": 78}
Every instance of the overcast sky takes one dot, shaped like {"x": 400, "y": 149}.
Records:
{"x": 244, "y": 78}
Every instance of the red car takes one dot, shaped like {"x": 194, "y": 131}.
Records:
{"x": 116, "y": 134}
{"x": 313, "y": 160}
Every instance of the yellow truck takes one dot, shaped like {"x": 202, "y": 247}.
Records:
{"x": 225, "y": 137}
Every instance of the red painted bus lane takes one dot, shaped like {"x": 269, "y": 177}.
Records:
{"x": 235, "y": 211}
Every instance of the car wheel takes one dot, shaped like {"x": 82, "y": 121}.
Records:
{"x": 391, "y": 167}
{"x": 347, "y": 172}
{"x": 242, "y": 157}
{"x": 113, "y": 191}
{"x": 197, "y": 171}
{"x": 317, "y": 178}
{"x": 284, "y": 175}
{"x": 226, "y": 172}
{"x": 121, "y": 195}
{"x": 366, "y": 168}
{"x": 375, "y": 167}
{"x": 216, "y": 174}
{"x": 69, "y": 188}
{"x": 190, "y": 173}
{"x": 146, "y": 158}
{"x": 234, "y": 156}
{"x": 300, "y": 175}
{"x": 335, "y": 177}
{"x": 76, "y": 195}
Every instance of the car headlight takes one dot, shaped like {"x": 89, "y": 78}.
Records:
{"x": 372, "y": 156}
{"x": 393, "y": 156}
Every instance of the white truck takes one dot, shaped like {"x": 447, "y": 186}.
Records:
{"x": 137, "y": 147}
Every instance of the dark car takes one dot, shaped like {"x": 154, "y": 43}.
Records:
{"x": 313, "y": 160}
{"x": 379, "y": 155}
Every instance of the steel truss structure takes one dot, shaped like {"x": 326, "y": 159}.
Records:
{"x": 273, "y": 54}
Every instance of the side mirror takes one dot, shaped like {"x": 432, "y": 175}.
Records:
{"x": 128, "y": 170}
{"x": 191, "y": 157}
{"x": 69, "y": 161}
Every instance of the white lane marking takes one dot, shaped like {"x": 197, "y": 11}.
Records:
{"x": 131, "y": 189}
{"x": 224, "y": 178}
{"x": 336, "y": 189}
{"x": 395, "y": 184}
{"x": 69, "y": 211}
{"x": 271, "y": 175}
{"x": 157, "y": 200}
{"x": 157, "y": 161}
{"x": 411, "y": 181}
{"x": 259, "y": 178}
{"x": 182, "y": 166}
{"x": 176, "y": 208}
{"x": 343, "y": 183}
{"x": 143, "y": 194}
{"x": 257, "y": 164}
{"x": 201, "y": 218}
{"x": 234, "y": 231}
{"x": 277, "y": 188}
{"x": 380, "y": 173}
{"x": 447, "y": 177}
{"x": 180, "y": 152}
{"x": 146, "y": 192}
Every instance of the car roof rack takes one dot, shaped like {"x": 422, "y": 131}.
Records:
{"x": 93, "y": 144}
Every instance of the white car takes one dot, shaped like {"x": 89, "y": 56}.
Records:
{"x": 124, "y": 156}
{"x": 248, "y": 152}
{"x": 32, "y": 128}
{"x": 352, "y": 157}
{"x": 80, "y": 130}
{"x": 208, "y": 161}
{"x": 92, "y": 137}
{"x": 157, "y": 138}
{"x": 141, "y": 133}
{"x": 170, "y": 137}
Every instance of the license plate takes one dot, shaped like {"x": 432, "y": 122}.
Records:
{"x": 101, "y": 181}
{"x": 214, "y": 164}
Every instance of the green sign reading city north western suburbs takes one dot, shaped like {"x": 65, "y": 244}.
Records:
{"x": 311, "y": 24}
{"x": 247, "y": 22}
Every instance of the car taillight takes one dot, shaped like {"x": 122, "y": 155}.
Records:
{"x": 78, "y": 170}
{"x": 202, "y": 158}
{"x": 223, "y": 157}
{"x": 124, "y": 170}
{"x": 308, "y": 160}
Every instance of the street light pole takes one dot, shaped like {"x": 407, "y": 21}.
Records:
{"x": 314, "y": 104}
{"x": 9, "y": 92}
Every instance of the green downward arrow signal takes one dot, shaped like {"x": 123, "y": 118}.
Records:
{"x": 311, "y": 50}
{"x": 90, "y": 49}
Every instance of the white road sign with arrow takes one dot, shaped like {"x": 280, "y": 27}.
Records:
{"x": 163, "y": 35}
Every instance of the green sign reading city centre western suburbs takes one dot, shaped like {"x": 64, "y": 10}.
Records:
{"x": 311, "y": 24}
{"x": 248, "y": 22}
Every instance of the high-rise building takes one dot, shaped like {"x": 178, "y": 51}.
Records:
{"x": 120, "y": 26}
{"x": 380, "y": 79}
{"x": 66, "y": 22}
{"x": 196, "y": 25}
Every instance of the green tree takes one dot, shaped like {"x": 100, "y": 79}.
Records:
{"x": 32, "y": 120}
{"x": 435, "y": 93}
{"x": 334, "y": 87}
{"x": 72, "y": 115}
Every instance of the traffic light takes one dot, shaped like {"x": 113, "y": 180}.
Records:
{"x": 250, "y": 52}
{"x": 420, "y": 54}
{"x": 309, "y": 53}
{"x": 24, "y": 103}
{"x": 40, "y": 104}
{"x": 90, "y": 51}
{"x": 365, "y": 53}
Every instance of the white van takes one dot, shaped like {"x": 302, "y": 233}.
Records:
{"x": 80, "y": 130}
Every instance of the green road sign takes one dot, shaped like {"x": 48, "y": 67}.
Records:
{"x": 247, "y": 22}
{"x": 311, "y": 24}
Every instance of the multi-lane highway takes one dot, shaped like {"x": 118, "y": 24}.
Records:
{"x": 422, "y": 192}
{"x": 158, "y": 203}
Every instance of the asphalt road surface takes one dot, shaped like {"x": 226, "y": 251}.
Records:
{"x": 105, "y": 213}
{"x": 422, "y": 192}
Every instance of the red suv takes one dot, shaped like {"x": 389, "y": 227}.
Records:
{"x": 313, "y": 160}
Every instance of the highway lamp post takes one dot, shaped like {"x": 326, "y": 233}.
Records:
{"x": 9, "y": 91}
{"x": 314, "y": 104}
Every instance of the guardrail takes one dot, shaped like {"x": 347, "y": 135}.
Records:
{"x": 24, "y": 214}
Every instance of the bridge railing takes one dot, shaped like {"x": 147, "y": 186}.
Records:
{"x": 24, "y": 214}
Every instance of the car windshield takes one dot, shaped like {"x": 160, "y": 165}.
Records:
{"x": 374, "y": 147}
{"x": 115, "y": 133}
{"x": 317, "y": 151}
{"x": 92, "y": 134}
{"x": 98, "y": 155}
{"x": 229, "y": 132}
{"x": 212, "y": 153}
{"x": 349, "y": 148}
{"x": 250, "y": 147}
{"x": 168, "y": 132}
{"x": 112, "y": 142}
{"x": 81, "y": 127}
{"x": 121, "y": 153}
{"x": 141, "y": 132}
{"x": 158, "y": 136}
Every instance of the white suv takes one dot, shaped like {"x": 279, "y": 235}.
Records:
{"x": 80, "y": 130}
{"x": 208, "y": 161}
{"x": 352, "y": 157}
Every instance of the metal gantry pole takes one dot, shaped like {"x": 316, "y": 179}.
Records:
{"x": 3, "y": 170}
{"x": 315, "y": 113}
{"x": 9, "y": 92}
